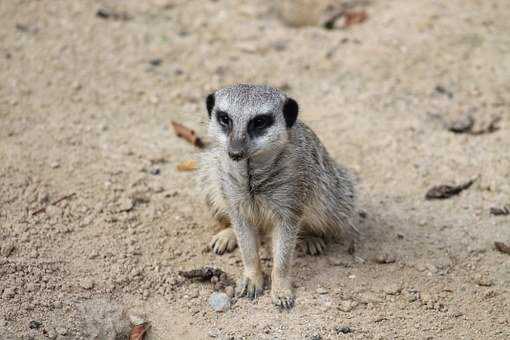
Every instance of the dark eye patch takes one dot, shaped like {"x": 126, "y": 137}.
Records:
{"x": 224, "y": 120}
{"x": 259, "y": 124}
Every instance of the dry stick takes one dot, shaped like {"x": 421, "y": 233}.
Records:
{"x": 187, "y": 134}
{"x": 43, "y": 209}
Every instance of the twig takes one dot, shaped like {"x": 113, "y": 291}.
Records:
{"x": 187, "y": 134}
{"x": 43, "y": 209}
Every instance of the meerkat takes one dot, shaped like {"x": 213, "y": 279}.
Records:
{"x": 267, "y": 172}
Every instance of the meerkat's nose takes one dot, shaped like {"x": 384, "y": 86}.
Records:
{"x": 236, "y": 155}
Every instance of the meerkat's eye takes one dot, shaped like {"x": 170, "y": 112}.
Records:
{"x": 223, "y": 119}
{"x": 258, "y": 124}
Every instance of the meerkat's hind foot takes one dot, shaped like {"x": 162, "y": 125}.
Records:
{"x": 225, "y": 240}
{"x": 314, "y": 245}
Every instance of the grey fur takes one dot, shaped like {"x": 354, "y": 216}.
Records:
{"x": 287, "y": 185}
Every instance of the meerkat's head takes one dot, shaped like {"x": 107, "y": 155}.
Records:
{"x": 250, "y": 120}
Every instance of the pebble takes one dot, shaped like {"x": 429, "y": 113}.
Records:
{"x": 8, "y": 293}
{"x": 393, "y": 289}
{"x": 384, "y": 258}
{"x": 369, "y": 297}
{"x": 155, "y": 171}
{"x": 321, "y": 291}
{"x": 51, "y": 334}
{"x": 229, "y": 290}
{"x": 343, "y": 329}
{"x": 125, "y": 204}
{"x": 316, "y": 337}
{"x": 483, "y": 280}
{"x": 347, "y": 305}
{"x": 87, "y": 284}
{"x": 34, "y": 324}
{"x": 195, "y": 293}
{"x": 7, "y": 250}
{"x": 136, "y": 320}
{"x": 61, "y": 330}
{"x": 54, "y": 165}
{"x": 337, "y": 262}
{"x": 219, "y": 302}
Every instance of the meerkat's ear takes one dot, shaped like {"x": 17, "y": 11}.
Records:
{"x": 290, "y": 112}
{"x": 209, "y": 102}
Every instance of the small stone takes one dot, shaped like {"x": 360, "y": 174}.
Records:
{"x": 155, "y": 171}
{"x": 34, "y": 324}
{"x": 43, "y": 197}
{"x": 343, "y": 329}
{"x": 55, "y": 165}
{"x": 384, "y": 258}
{"x": 337, "y": 262}
{"x": 321, "y": 291}
{"x": 125, "y": 204}
{"x": 229, "y": 290}
{"x": 7, "y": 249}
{"x": 136, "y": 320}
{"x": 212, "y": 334}
{"x": 61, "y": 330}
{"x": 87, "y": 284}
{"x": 155, "y": 62}
{"x": 316, "y": 337}
{"x": 483, "y": 280}
{"x": 219, "y": 302}
{"x": 369, "y": 297}
{"x": 347, "y": 305}
{"x": 393, "y": 289}
{"x": 8, "y": 293}
{"x": 462, "y": 124}
{"x": 51, "y": 334}
{"x": 427, "y": 299}
{"x": 194, "y": 294}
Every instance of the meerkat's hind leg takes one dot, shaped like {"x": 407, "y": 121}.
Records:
{"x": 225, "y": 240}
{"x": 314, "y": 245}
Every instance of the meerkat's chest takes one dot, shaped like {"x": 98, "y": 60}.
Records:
{"x": 243, "y": 192}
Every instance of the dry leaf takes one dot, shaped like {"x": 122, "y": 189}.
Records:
{"x": 447, "y": 191}
{"x": 502, "y": 247}
{"x": 189, "y": 165}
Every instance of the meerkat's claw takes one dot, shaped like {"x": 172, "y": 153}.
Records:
{"x": 283, "y": 298}
{"x": 223, "y": 241}
{"x": 250, "y": 288}
{"x": 314, "y": 245}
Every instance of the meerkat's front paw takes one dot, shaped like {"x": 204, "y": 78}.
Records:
{"x": 223, "y": 241}
{"x": 250, "y": 286}
{"x": 282, "y": 296}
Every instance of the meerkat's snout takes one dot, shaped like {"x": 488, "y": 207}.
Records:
{"x": 237, "y": 149}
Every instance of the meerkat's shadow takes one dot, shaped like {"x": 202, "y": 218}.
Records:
{"x": 374, "y": 236}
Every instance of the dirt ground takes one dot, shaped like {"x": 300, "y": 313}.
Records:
{"x": 85, "y": 104}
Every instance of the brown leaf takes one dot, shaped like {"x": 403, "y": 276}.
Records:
{"x": 138, "y": 332}
{"x": 187, "y": 134}
{"x": 447, "y": 191}
{"x": 189, "y": 165}
{"x": 354, "y": 17}
{"x": 502, "y": 247}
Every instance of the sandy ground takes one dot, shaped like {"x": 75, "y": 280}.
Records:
{"x": 83, "y": 110}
